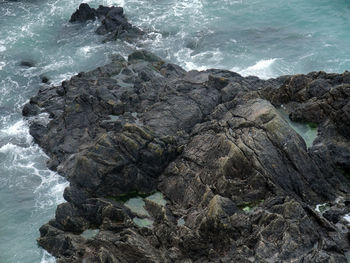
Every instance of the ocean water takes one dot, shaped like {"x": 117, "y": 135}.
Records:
{"x": 253, "y": 37}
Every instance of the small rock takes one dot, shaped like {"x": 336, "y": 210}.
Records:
{"x": 144, "y": 55}
{"x": 28, "y": 64}
{"x": 83, "y": 14}
{"x": 44, "y": 79}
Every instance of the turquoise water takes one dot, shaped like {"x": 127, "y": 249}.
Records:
{"x": 265, "y": 38}
{"x": 308, "y": 131}
{"x": 257, "y": 37}
{"x": 35, "y": 31}
{"x": 137, "y": 206}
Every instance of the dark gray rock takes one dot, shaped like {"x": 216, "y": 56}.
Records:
{"x": 333, "y": 215}
{"x": 30, "y": 109}
{"x": 144, "y": 55}
{"x": 38, "y": 131}
{"x": 114, "y": 24}
{"x": 102, "y": 11}
{"x": 239, "y": 183}
{"x": 44, "y": 79}
{"x": 83, "y": 14}
{"x": 28, "y": 64}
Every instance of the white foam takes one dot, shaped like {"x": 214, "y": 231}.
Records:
{"x": 61, "y": 77}
{"x": 31, "y": 161}
{"x": 115, "y": 2}
{"x": 347, "y": 218}
{"x": 21, "y": 158}
{"x": 19, "y": 131}
{"x": 8, "y": 147}
{"x": 18, "y": 128}
{"x": 89, "y": 50}
{"x": 189, "y": 61}
{"x": 85, "y": 51}
{"x": 43, "y": 118}
{"x": 2, "y": 64}
{"x": 47, "y": 258}
{"x": 50, "y": 192}
{"x": 8, "y": 13}
{"x": 192, "y": 66}
{"x": 317, "y": 209}
{"x": 108, "y": 2}
{"x": 59, "y": 63}
{"x": 262, "y": 69}
{"x": 8, "y": 84}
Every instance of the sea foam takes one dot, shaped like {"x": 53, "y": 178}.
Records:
{"x": 262, "y": 69}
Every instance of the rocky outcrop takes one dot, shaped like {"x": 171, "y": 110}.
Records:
{"x": 239, "y": 183}
{"x": 84, "y": 13}
{"x": 113, "y": 21}
{"x": 322, "y": 99}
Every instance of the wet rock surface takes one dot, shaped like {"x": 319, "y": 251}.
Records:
{"x": 114, "y": 24}
{"x": 239, "y": 183}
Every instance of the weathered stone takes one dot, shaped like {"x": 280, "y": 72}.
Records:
{"x": 239, "y": 182}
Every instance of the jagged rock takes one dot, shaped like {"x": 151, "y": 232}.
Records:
{"x": 240, "y": 184}
{"x": 38, "y": 131}
{"x": 30, "y": 109}
{"x": 83, "y": 14}
{"x": 113, "y": 21}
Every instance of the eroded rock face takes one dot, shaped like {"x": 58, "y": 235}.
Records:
{"x": 239, "y": 183}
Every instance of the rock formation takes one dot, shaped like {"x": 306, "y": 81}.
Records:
{"x": 113, "y": 21}
{"x": 239, "y": 183}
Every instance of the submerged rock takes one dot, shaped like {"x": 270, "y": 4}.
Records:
{"x": 30, "y": 109}
{"x": 27, "y": 64}
{"x": 44, "y": 79}
{"x": 239, "y": 183}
